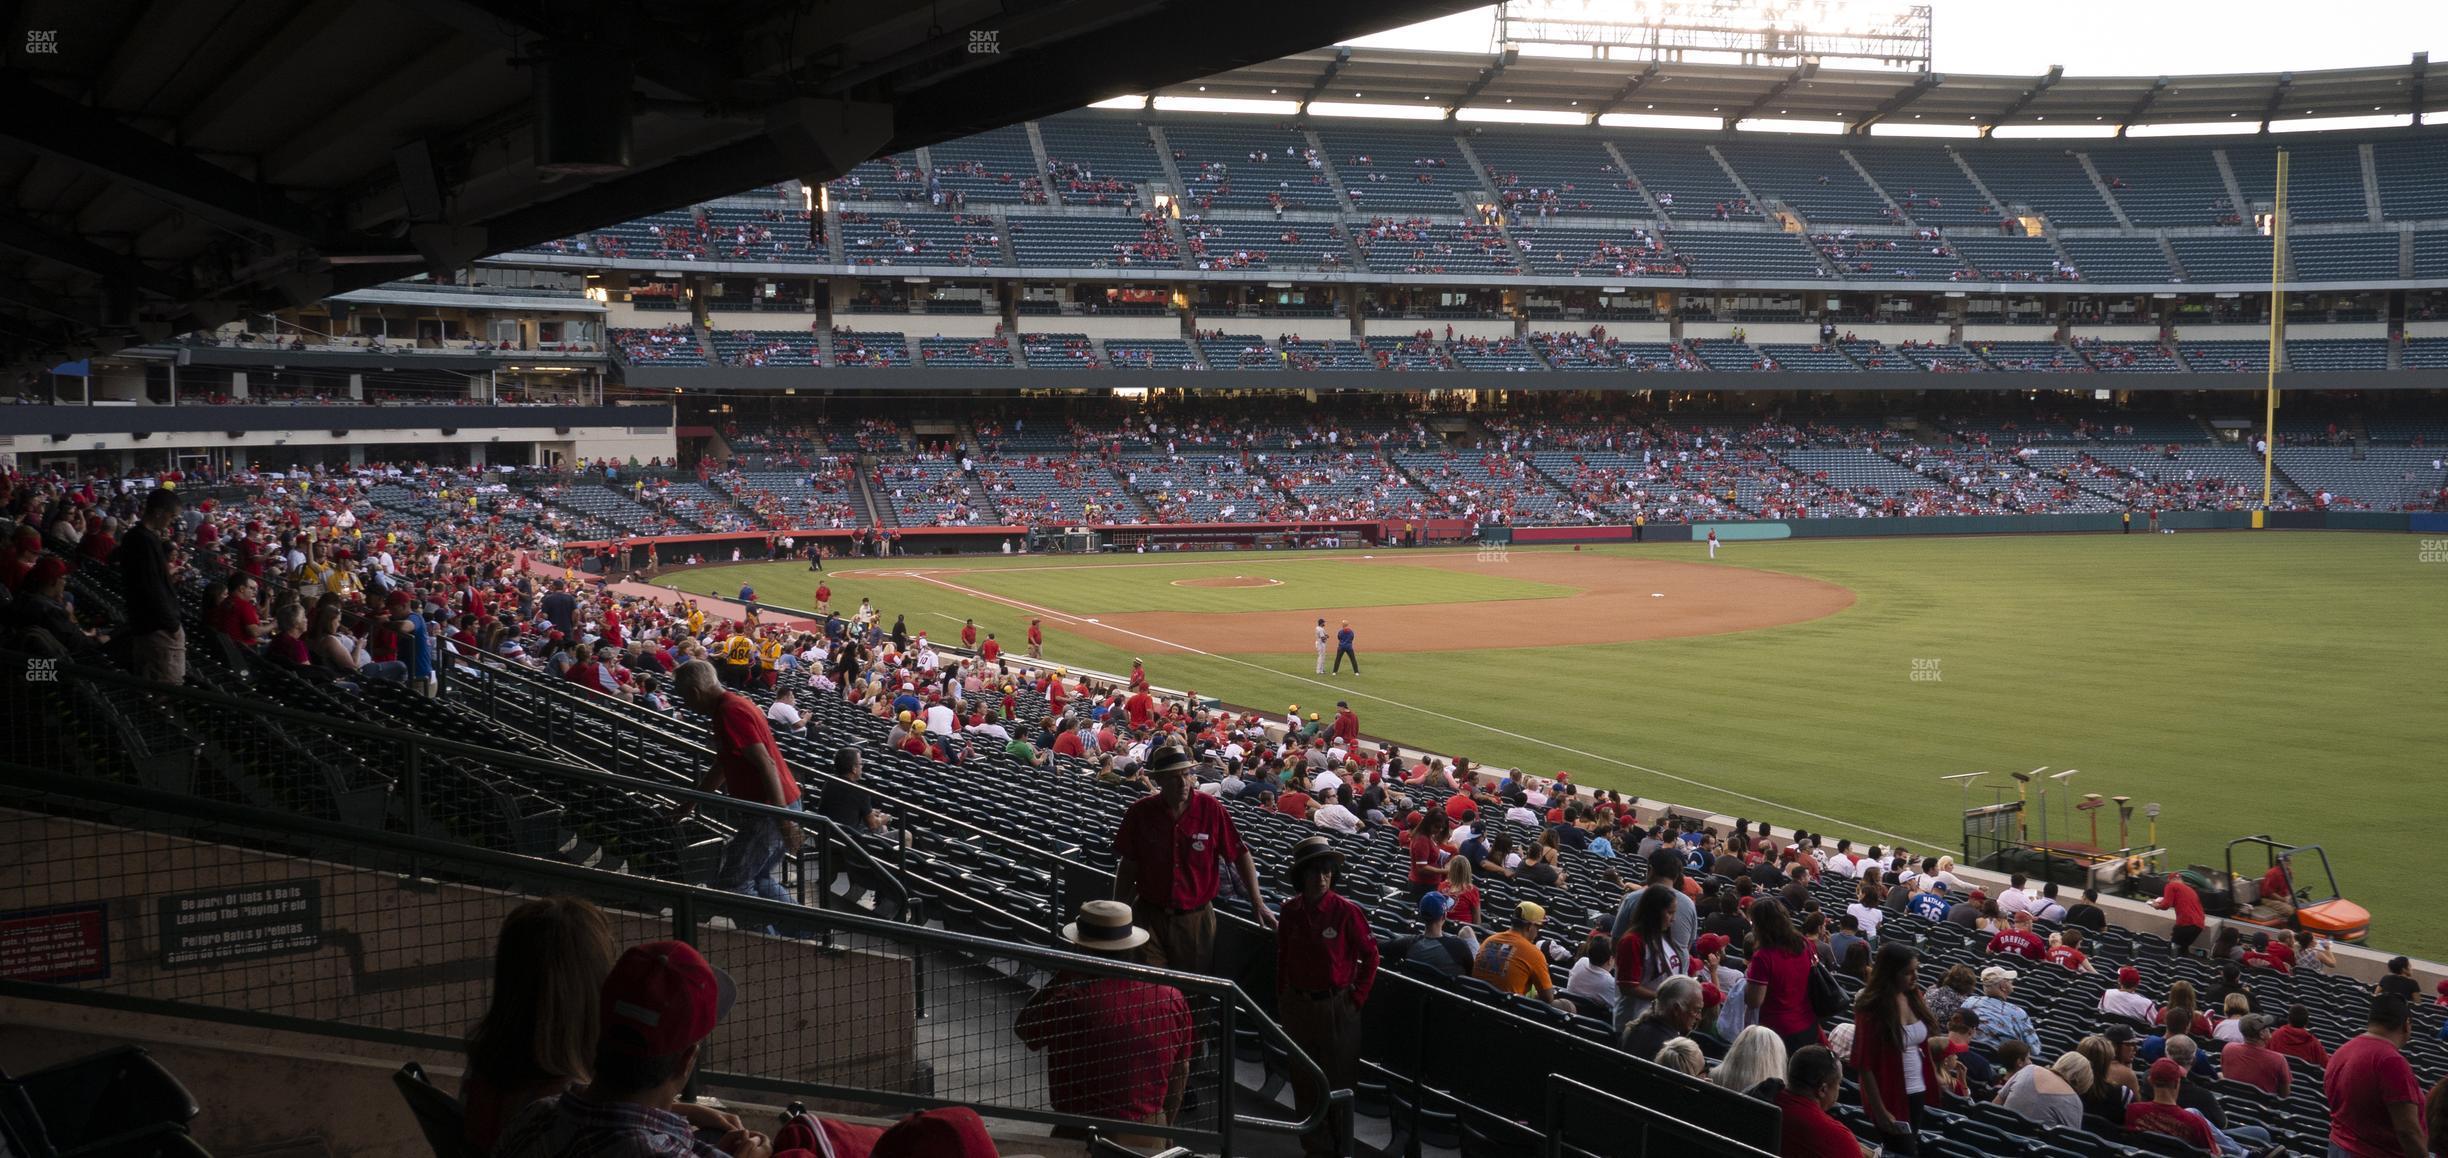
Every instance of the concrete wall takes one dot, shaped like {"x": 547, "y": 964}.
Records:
{"x": 1752, "y": 331}
{"x": 416, "y": 956}
{"x": 2118, "y": 333}
{"x": 1462, "y": 328}
{"x": 1627, "y": 331}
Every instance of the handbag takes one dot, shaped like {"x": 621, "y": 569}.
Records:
{"x": 1827, "y": 998}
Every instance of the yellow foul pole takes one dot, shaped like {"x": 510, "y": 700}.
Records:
{"x": 2277, "y": 345}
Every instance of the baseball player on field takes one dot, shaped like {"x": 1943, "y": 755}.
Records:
{"x": 1321, "y": 647}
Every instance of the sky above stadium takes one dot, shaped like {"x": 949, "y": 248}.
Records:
{"x": 2111, "y": 37}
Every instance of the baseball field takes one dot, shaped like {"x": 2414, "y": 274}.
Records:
{"x": 2294, "y": 684}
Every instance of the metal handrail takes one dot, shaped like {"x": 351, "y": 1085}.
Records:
{"x": 410, "y": 771}
{"x": 684, "y": 902}
{"x": 609, "y": 713}
{"x": 1562, "y": 1092}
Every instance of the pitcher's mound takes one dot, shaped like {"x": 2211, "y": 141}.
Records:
{"x": 1230, "y": 581}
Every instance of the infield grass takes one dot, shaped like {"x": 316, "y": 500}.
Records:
{"x": 2288, "y": 683}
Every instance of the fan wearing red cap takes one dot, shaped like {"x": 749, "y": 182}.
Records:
{"x": 657, "y": 1006}
{"x": 2161, "y": 1114}
{"x": 42, "y": 602}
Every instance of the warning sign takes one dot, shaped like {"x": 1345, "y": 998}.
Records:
{"x": 241, "y": 923}
{"x": 68, "y": 943}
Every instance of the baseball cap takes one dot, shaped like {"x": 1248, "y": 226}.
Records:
{"x": 1434, "y": 905}
{"x": 1710, "y": 995}
{"x": 661, "y": 998}
{"x": 1530, "y": 911}
{"x": 2119, "y": 1034}
{"x": 1996, "y": 973}
{"x": 1709, "y": 943}
{"x": 2129, "y": 976}
{"x": 2165, "y": 1072}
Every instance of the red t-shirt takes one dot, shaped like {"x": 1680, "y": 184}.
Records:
{"x": 1427, "y": 859}
{"x": 2281, "y": 956}
{"x": 1142, "y": 708}
{"x": 237, "y": 616}
{"x": 2020, "y": 943}
{"x": 1295, "y": 805}
{"x": 2174, "y": 1121}
{"x": 991, "y": 652}
{"x": 1068, "y": 744}
{"x": 2073, "y": 959}
{"x": 1465, "y": 910}
{"x": 1457, "y": 806}
{"x": 1177, "y": 857}
{"x": 738, "y": 727}
{"x": 2182, "y": 901}
{"x": 1111, "y": 1044}
{"x": 2363, "y": 1079}
{"x": 2259, "y": 1067}
{"x": 1786, "y": 1009}
{"x": 2274, "y": 883}
{"x": 1810, "y": 1132}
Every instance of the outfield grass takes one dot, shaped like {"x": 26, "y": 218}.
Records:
{"x": 2288, "y": 683}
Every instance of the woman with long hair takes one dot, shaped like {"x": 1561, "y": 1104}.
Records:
{"x": 1459, "y": 890}
{"x": 538, "y": 1036}
{"x": 1426, "y": 844}
{"x": 1754, "y": 1064}
{"x": 2183, "y": 1013}
{"x": 1646, "y": 954}
{"x": 2105, "y": 1098}
{"x": 1778, "y": 977}
{"x": 1892, "y": 1028}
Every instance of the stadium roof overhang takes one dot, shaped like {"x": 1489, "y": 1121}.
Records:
{"x": 1582, "y": 86}
{"x": 165, "y": 167}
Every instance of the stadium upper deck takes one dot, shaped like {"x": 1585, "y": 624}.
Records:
{"x": 1103, "y": 194}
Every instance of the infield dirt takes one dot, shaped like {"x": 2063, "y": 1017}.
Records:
{"x": 1617, "y": 600}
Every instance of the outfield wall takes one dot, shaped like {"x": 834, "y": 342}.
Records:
{"x": 1753, "y": 529}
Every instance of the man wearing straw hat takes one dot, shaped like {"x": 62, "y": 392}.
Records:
{"x": 1325, "y": 961}
{"x": 1168, "y": 847}
{"x": 1115, "y": 1047}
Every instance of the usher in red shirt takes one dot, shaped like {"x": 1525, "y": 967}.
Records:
{"x": 1324, "y": 945}
{"x": 1177, "y": 858}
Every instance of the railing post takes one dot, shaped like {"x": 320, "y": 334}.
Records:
{"x": 412, "y": 789}
{"x": 1224, "y": 1068}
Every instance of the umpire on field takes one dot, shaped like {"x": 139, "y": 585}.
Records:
{"x": 1169, "y": 847}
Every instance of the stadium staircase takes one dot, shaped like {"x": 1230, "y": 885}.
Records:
{"x": 1172, "y": 171}
{"x": 1901, "y": 215}
{"x": 1758, "y": 207}
{"x": 1965, "y": 164}
{"x": 2116, "y": 208}
{"x": 1657, "y": 212}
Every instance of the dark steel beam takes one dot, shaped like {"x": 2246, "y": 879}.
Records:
{"x": 1922, "y": 86}
{"x": 31, "y": 237}
{"x": 95, "y": 140}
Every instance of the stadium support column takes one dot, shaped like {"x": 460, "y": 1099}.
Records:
{"x": 356, "y": 454}
{"x": 2277, "y": 332}
{"x": 356, "y": 387}
{"x": 238, "y": 385}
{"x": 476, "y": 455}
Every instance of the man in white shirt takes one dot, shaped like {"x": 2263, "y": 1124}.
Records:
{"x": 2014, "y": 899}
{"x": 784, "y": 714}
{"x": 939, "y": 718}
{"x": 2045, "y": 907}
{"x": 1338, "y": 816}
{"x": 2126, "y": 1000}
